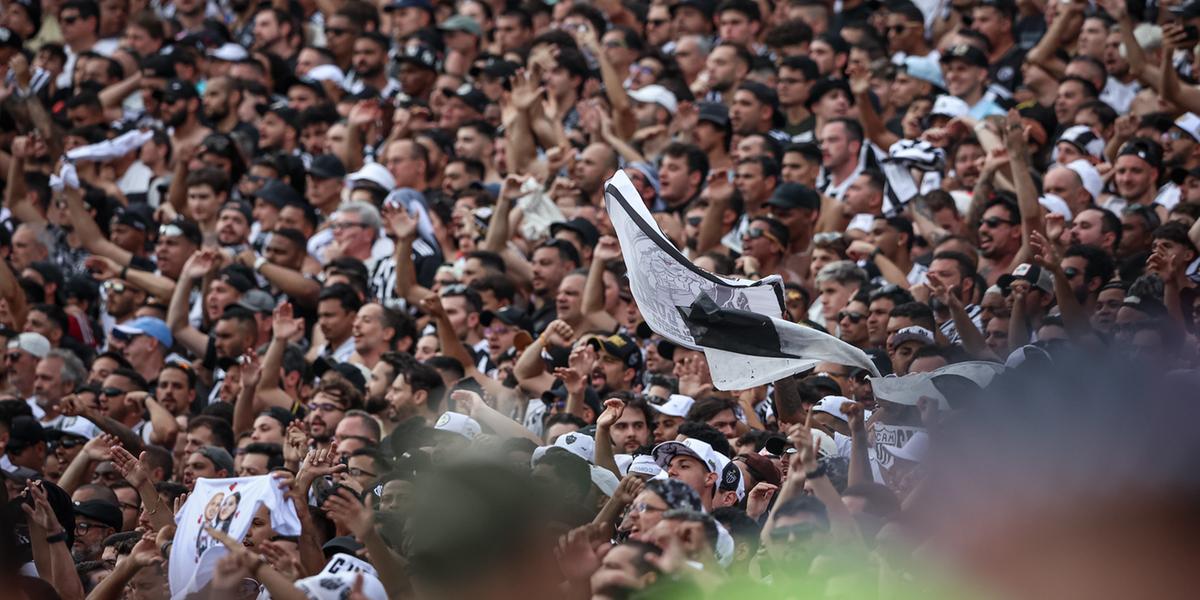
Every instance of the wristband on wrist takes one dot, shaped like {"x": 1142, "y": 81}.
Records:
{"x": 56, "y": 538}
{"x": 815, "y": 473}
{"x": 258, "y": 264}
{"x": 124, "y": 271}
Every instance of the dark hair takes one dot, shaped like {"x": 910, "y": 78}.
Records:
{"x": 966, "y": 269}
{"x": 87, "y": 10}
{"x": 1177, "y": 232}
{"x": 1089, "y": 88}
{"x": 57, "y": 316}
{"x": 211, "y": 176}
{"x": 344, "y": 294}
{"x": 458, "y": 290}
{"x": 1109, "y": 223}
{"x": 917, "y": 312}
{"x": 160, "y": 458}
{"x": 133, "y": 376}
{"x": 880, "y": 500}
{"x": 501, "y": 286}
{"x": 274, "y": 453}
{"x": 803, "y": 504}
{"x": 424, "y": 377}
{"x": 854, "y": 129}
{"x": 491, "y": 260}
{"x": 697, "y": 160}
{"x": 220, "y": 428}
{"x": 791, "y": 33}
{"x": 1099, "y": 263}
{"x": 1009, "y": 205}
{"x": 566, "y": 250}
{"x": 707, "y": 434}
{"x": 1104, "y": 112}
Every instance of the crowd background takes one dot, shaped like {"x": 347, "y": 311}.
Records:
{"x": 362, "y": 248}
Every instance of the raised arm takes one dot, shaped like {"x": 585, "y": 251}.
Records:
{"x": 1075, "y": 318}
{"x": 873, "y": 126}
{"x": 14, "y": 188}
{"x": 134, "y": 471}
{"x": 863, "y": 250}
{"x": 841, "y": 523}
{"x": 972, "y": 339}
{"x": 163, "y": 424}
{"x": 593, "y": 290}
{"x": 195, "y": 268}
{"x": 1066, "y": 25}
{"x": 580, "y": 365}
{"x": 1169, "y": 86}
{"x": 624, "y": 121}
{"x": 404, "y": 228}
{"x": 300, "y": 289}
{"x": 1027, "y": 194}
{"x": 613, "y": 407}
{"x": 13, "y": 294}
{"x": 860, "y": 458}
{"x": 105, "y": 268}
{"x": 89, "y": 233}
{"x": 145, "y": 554}
{"x": 473, "y": 406}
{"x": 284, "y": 328}
{"x": 51, "y": 555}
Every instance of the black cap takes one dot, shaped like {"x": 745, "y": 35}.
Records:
{"x": 1042, "y": 115}
{"x": 509, "y": 315}
{"x": 621, "y": 346}
{"x": 236, "y": 278}
{"x": 1145, "y": 149}
{"x": 34, "y": 9}
{"x": 714, "y": 112}
{"x": 182, "y": 227}
{"x": 588, "y": 233}
{"x": 102, "y": 511}
{"x": 159, "y": 65}
{"x": 824, "y": 86}
{"x": 708, "y": 7}
{"x": 327, "y": 166}
{"x": 496, "y": 68}
{"x": 810, "y": 150}
{"x": 10, "y": 39}
{"x": 177, "y": 88}
{"x": 132, "y": 218}
{"x": 286, "y": 113}
{"x": 240, "y": 206}
{"x": 966, "y": 53}
{"x": 1006, "y": 7}
{"x": 418, "y": 54}
{"x": 344, "y": 544}
{"x": 278, "y": 193}
{"x": 795, "y": 195}
{"x": 473, "y": 97}
{"x": 24, "y": 432}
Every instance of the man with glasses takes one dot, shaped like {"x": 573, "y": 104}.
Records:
{"x": 94, "y": 521}
{"x": 356, "y": 431}
{"x": 79, "y": 21}
{"x": 852, "y": 322}
{"x": 333, "y": 398}
{"x": 999, "y": 238}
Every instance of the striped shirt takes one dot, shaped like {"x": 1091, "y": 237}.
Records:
{"x": 951, "y": 332}
{"x": 383, "y": 276}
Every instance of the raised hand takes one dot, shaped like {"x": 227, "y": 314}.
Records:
{"x": 468, "y": 402}
{"x": 760, "y": 498}
{"x": 1044, "y": 254}
{"x": 363, "y": 113}
{"x": 608, "y": 248}
{"x": 861, "y": 250}
{"x": 282, "y": 560}
{"x": 101, "y": 447}
{"x": 400, "y": 222}
{"x": 251, "y": 370}
{"x": 558, "y": 333}
{"x": 577, "y": 552}
{"x": 628, "y": 489}
{"x": 179, "y": 502}
{"x": 802, "y": 440}
{"x": 132, "y": 469}
{"x": 295, "y": 442}
{"x": 525, "y": 90}
{"x": 345, "y": 509}
{"x": 145, "y": 553}
{"x": 432, "y": 306}
{"x": 854, "y": 415}
{"x": 511, "y": 188}
{"x": 691, "y": 378}
{"x": 40, "y": 513}
{"x": 860, "y": 79}
{"x": 318, "y": 463}
{"x": 613, "y": 408}
{"x": 283, "y": 326}
{"x": 939, "y": 290}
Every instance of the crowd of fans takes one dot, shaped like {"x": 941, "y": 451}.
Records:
{"x": 362, "y": 248}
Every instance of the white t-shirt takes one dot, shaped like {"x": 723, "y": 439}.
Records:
{"x": 227, "y": 505}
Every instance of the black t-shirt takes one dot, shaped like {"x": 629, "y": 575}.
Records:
{"x": 1006, "y": 72}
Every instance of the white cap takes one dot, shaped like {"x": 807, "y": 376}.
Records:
{"x": 579, "y": 444}
{"x": 1092, "y": 182}
{"x": 644, "y": 465}
{"x": 825, "y": 444}
{"x": 725, "y": 548}
{"x": 623, "y": 461}
{"x": 1190, "y": 123}
{"x": 915, "y": 333}
{"x": 1083, "y": 138}
{"x": 833, "y": 406}
{"x": 33, "y": 343}
{"x": 950, "y": 106}
{"x": 375, "y": 173}
{"x": 229, "y": 52}
{"x": 78, "y": 426}
{"x": 655, "y": 94}
{"x": 1018, "y": 357}
{"x": 914, "y": 450}
{"x": 327, "y": 73}
{"x": 729, "y": 478}
{"x": 697, "y": 449}
{"x": 458, "y": 423}
{"x": 334, "y": 586}
{"x": 677, "y": 405}
{"x": 1055, "y": 204}
{"x": 605, "y": 480}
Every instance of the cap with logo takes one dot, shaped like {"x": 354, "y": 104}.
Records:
{"x": 184, "y": 228}
{"x": 458, "y": 423}
{"x": 1092, "y": 181}
{"x": 694, "y": 448}
{"x": 1145, "y": 149}
{"x": 151, "y": 326}
{"x": 336, "y": 586}
{"x": 1036, "y": 276}
{"x": 832, "y": 405}
{"x": 915, "y": 333}
{"x": 578, "y": 443}
{"x": 656, "y": 94}
{"x": 966, "y": 53}
{"x": 620, "y": 346}
{"x": 1190, "y": 124}
{"x": 949, "y": 106}
{"x": 178, "y": 89}
{"x": 472, "y": 97}
{"x": 418, "y": 54}
{"x": 132, "y": 218}
{"x": 74, "y": 427}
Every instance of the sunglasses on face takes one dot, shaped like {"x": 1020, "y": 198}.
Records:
{"x": 1071, "y": 272}
{"x": 333, "y": 31}
{"x": 694, "y": 221}
{"x": 112, "y": 391}
{"x": 114, "y": 287}
{"x": 324, "y": 407}
{"x": 855, "y": 317}
{"x": 70, "y": 442}
{"x": 757, "y": 232}
{"x": 13, "y": 356}
{"x": 994, "y": 222}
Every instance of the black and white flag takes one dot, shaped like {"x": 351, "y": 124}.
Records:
{"x": 735, "y": 322}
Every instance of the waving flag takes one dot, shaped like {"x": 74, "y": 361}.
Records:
{"x": 735, "y": 322}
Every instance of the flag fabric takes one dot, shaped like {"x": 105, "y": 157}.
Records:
{"x": 735, "y": 322}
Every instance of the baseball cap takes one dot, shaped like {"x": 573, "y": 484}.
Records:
{"x": 604, "y": 480}
{"x": 241, "y": 207}
{"x": 182, "y": 227}
{"x": 342, "y": 544}
{"x": 373, "y": 173}
{"x": 418, "y": 54}
{"x": 1144, "y": 149}
{"x": 1086, "y": 140}
{"x": 714, "y": 112}
{"x": 472, "y": 97}
{"x": 824, "y": 86}
{"x": 795, "y": 195}
{"x": 103, "y": 511}
{"x": 151, "y": 326}
{"x": 1055, "y": 204}
{"x": 10, "y": 39}
{"x": 278, "y": 193}
{"x": 677, "y": 405}
{"x": 833, "y": 404}
{"x": 327, "y": 166}
{"x": 649, "y": 171}
{"x": 644, "y": 465}
{"x": 588, "y": 233}
{"x": 509, "y": 315}
{"x": 1035, "y": 275}
{"x": 949, "y": 106}
{"x": 24, "y": 431}
{"x": 1092, "y": 181}
{"x": 925, "y": 69}
{"x": 220, "y": 458}
{"x": 335, "y": 586}
{"x": 327, "y": 73}
{"x": 761, "y": 468}
{"x": 621, "y": 346}
{"x": 177, "y": 89}
{"x": 966, "y": 53}
{"x": 257, "y": 301}
{"x": 731, "y": 479}
{"x": 576, "y": 442}
{"x": 708, "y": 7}
{"x": 697, "y": 449}
{"x": 1147, "y": 304}
{"x": 915, "y": 333}
{"x": 31, "y": 342}
{"x": 914, "y": 450}
{"x": 132, "y": 218}
{"x": 458, "y": 423}
{"x": 399, "y": 4}
{"x": 73, "y": 426}
{"x": 1190, "y": 124}
{"x": 229, "y": 52}
{"x": 656, "y": 94}
{"x": 462, "y": 23}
